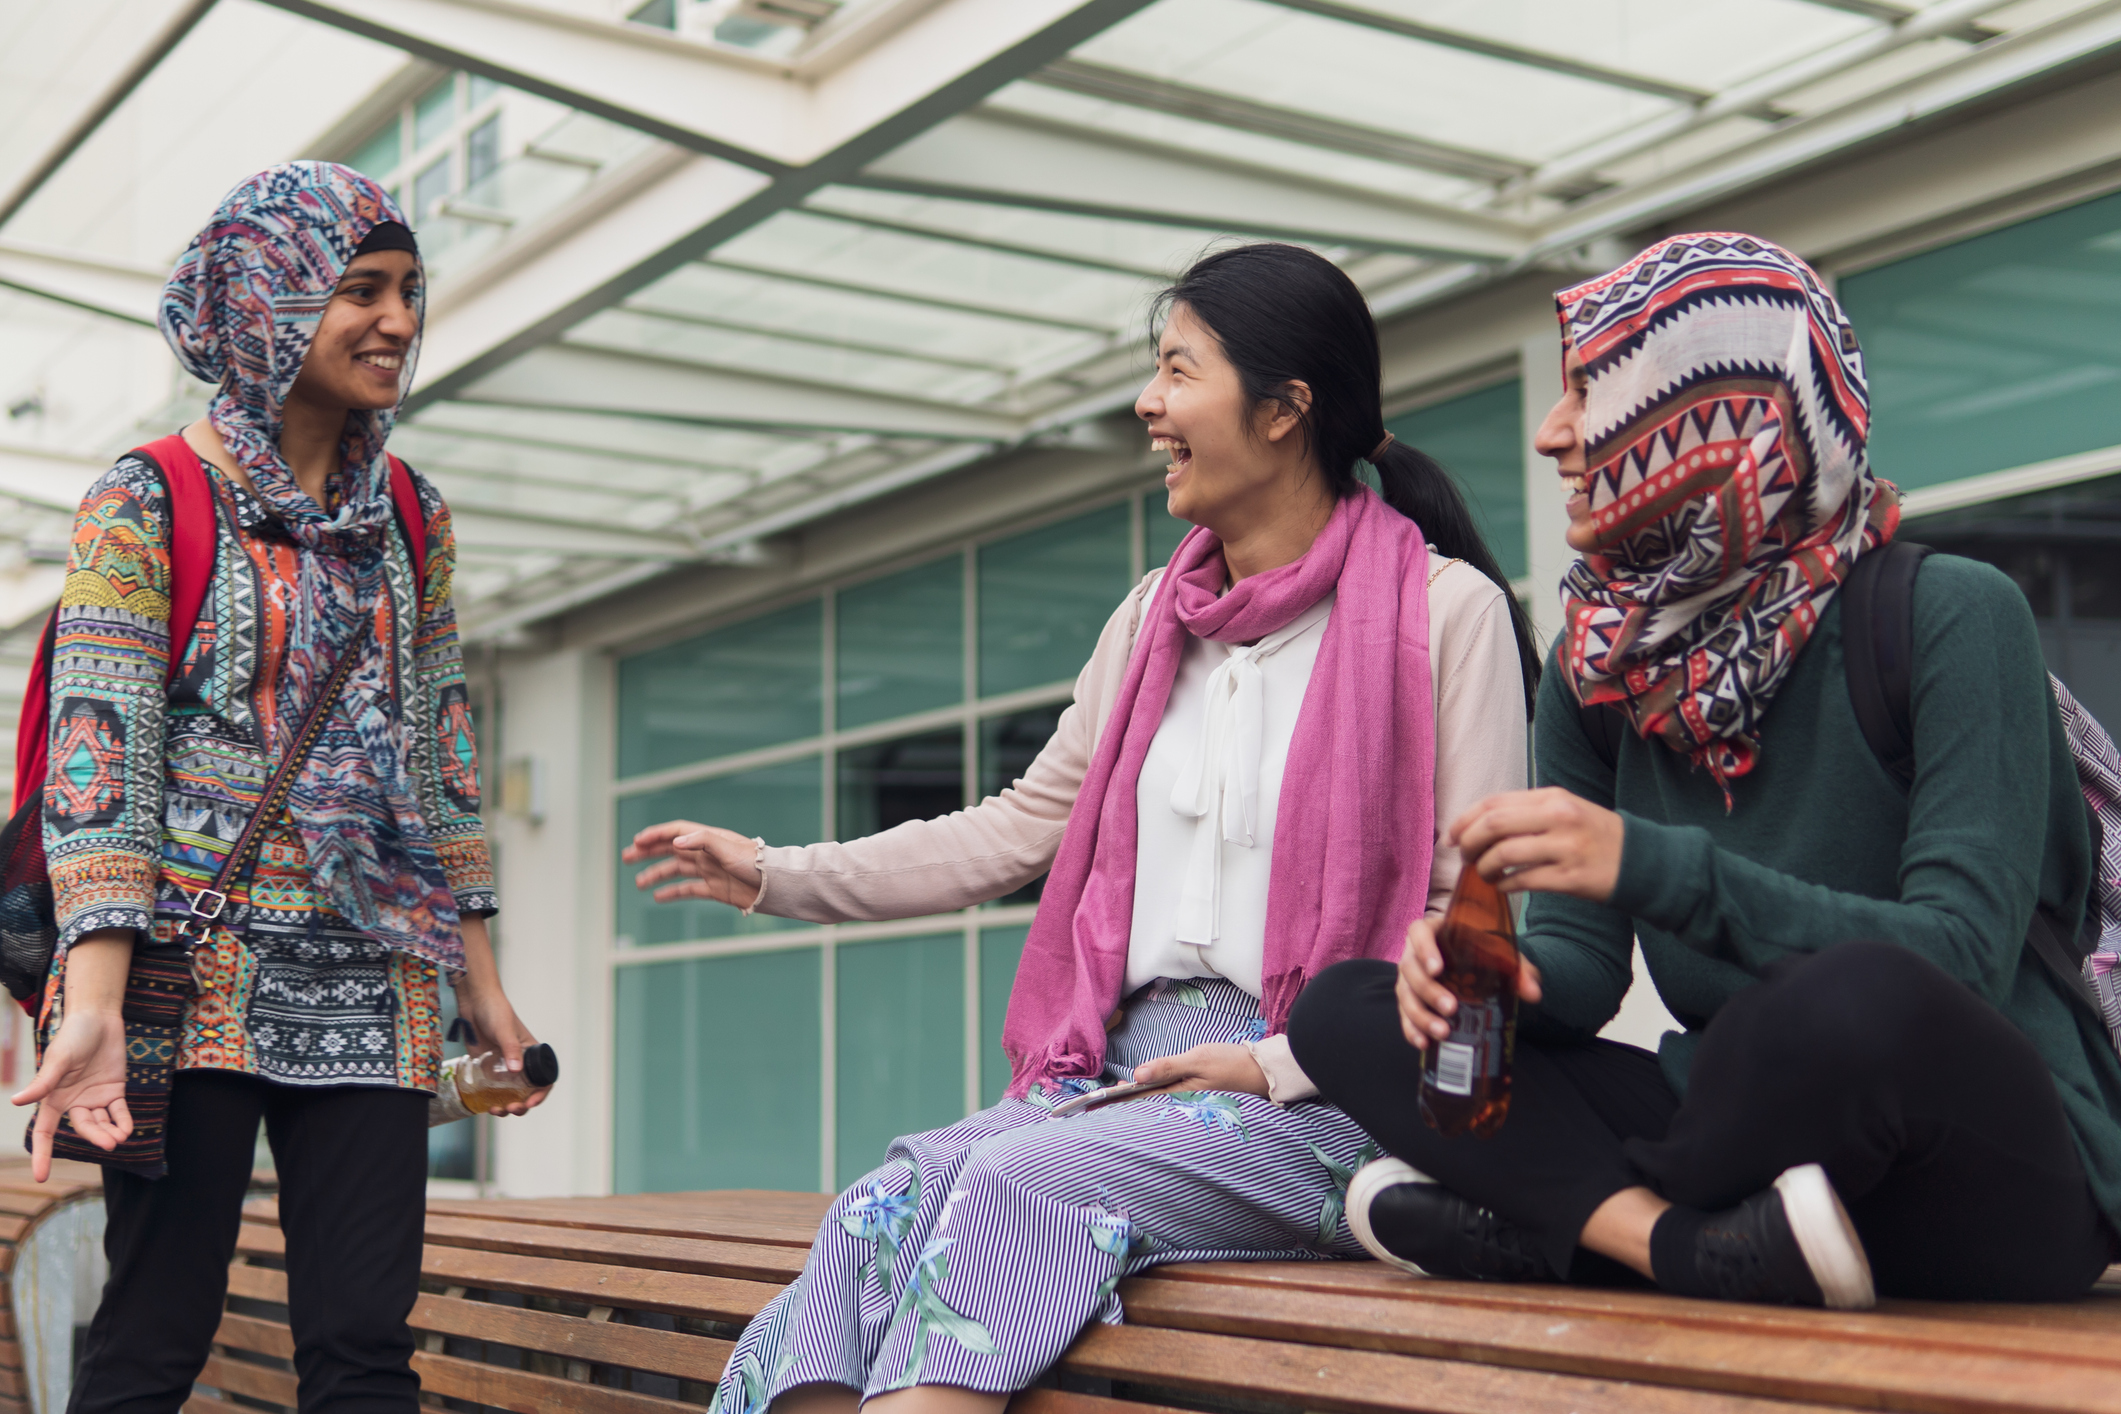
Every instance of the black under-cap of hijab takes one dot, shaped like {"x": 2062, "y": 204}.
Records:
{"x": 387, "y": 235}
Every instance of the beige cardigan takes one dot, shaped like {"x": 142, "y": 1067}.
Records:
{"x": 1007, "y": 840}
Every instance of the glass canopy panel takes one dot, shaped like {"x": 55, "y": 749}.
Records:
{"x": 1270, "y": 54}
{"x": 800, "y": 243}
{"x": 148, "y": 179}
{"x": 1208, "y": 139}
{"x": 765, "y": 301}
{"x": 80, "y": 380}
{"x": 1700, "y": 44}
{"x": 56, "y": 61}
{"x": 616, "y": 436}
{"x": 558, "y": 468}
{"x": 1143, "y": 248}
{"x": 692, "y": 340}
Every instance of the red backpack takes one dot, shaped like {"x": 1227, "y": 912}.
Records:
{"x": 28, "y": 926}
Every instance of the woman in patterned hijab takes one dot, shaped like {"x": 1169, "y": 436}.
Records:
{"x": 310, "y": 1001}
{"x": 1729, "y": 491}
{"x": 1874, "y": 1086}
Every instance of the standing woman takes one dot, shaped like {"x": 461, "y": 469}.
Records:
{"x": 316, "y": 1004}
{"x": 1361, "y": 651}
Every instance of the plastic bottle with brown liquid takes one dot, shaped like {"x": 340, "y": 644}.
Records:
{"x": 485, "y": 1083}
{"x": 1465, "y": 1077}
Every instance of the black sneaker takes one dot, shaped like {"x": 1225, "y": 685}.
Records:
{"x": 1405, "y": 1218}
{"x": 1791, "y": 1245}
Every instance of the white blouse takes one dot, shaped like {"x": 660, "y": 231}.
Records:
{"x": 1210, "y": 786}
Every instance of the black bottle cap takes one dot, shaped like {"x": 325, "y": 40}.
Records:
{"x": 540, "y": 1066}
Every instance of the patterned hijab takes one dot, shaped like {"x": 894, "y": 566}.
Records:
{"x": 240, "y": 310}
{"x": 1724, "y": 427}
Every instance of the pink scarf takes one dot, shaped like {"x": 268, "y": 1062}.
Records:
{"x": 1356, "y": 826}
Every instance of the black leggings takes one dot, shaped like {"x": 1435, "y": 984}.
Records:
{"x": 353, "y": 1176}
{"x": 1933, "y": 1115}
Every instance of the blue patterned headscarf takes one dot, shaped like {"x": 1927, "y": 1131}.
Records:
{"x": 241, "y": 310}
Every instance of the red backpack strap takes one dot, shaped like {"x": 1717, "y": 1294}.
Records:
{"x": 412, "y": 520}
{"x": 193, "y": 527}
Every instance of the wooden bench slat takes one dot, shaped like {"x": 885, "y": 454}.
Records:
{"x": 629, "y": 1288}
{"x": 259, "y": 1336}
{"x": 1894, "y": 1322}
{"x": 257, "y": 1283}
{"x": 1936, "y": 1373}
{"x": 627, "y": 1217}
{"x": 1365, "y": 1382}
{"x": 677, "y": 1353}
{"x": 758, "y": 1262}
{"x": 253, "y": 1381}
{"x": 746, "y": 1262}
{"x": 528, "y": 1393}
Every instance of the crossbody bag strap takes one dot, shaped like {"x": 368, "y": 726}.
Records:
{"x": 208, "y": 903}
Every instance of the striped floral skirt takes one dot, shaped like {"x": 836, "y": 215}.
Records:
{"x": 976, "y": 1254}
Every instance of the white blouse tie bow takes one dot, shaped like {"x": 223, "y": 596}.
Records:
{"x": 1219, "y": 788}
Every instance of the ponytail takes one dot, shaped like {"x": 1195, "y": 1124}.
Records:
{"x": 1413, "y": 484}
{"x": 1286, "y": 315}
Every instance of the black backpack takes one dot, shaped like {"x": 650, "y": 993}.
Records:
{"x": 1878, "y": 651}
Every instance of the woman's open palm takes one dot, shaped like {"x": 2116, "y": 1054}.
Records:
{"x": 82, "y": 1078}
{"x": 697, "y": 861}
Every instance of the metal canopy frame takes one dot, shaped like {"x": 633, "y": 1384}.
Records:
{"x": 781, "y": 286}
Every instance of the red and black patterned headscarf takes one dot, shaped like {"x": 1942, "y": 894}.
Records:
{"x": 1725, "y": 427}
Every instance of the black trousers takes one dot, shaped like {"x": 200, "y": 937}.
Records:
{"x": 352, "y": 1162}
{"x": 1933, "y": 1115}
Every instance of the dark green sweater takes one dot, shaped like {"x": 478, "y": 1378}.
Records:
{"x": 1823, "y": 845}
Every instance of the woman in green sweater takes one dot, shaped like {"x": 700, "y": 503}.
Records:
{"x": 1878, "y": 1088}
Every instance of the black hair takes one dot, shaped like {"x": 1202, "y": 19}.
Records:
{"x": 1285, "y": 315}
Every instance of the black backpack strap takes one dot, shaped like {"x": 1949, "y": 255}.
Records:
{"x": 2053, "y": 945}
{"x": 1878, "y": 651}
{"x": 1603, "y": 723}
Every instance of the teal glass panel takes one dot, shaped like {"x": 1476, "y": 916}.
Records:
{"x": 1000, "y": 949}
{"x": 435, "y": 111}
{"x": 663, "y": 14}
{"x": 899, "y": 1064}
{"x": 738, "y": 688}
{"x": 1479, "y": 439}
{"x": 482, "y": 88}
{"x": 718, "y": 1079}
{"x": 1161, "y": 531}
{"x": 379, "y": 156}
{"x": 1007, "y": 747}
{"x": 782, "y": 804}
{"x": 428, "y": 188}
{"x": 890, "y": 782}
{"x": 1045, "y": 595}
{"x": 482, "y": 151}
{"x": 900, "y": 642}
{"x": 1996, "y": 351}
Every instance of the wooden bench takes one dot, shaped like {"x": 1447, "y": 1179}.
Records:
{"x": 632, "y": 1305}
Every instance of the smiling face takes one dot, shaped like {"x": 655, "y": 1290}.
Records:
{"x": 1560, "y": 436}
{"x": 1228, "y": 457}
{"x": 357, "y": 357}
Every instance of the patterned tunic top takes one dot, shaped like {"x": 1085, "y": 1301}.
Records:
{"x": 151, "y": 782}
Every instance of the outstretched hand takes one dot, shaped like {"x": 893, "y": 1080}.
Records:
{"x": 82, "y": 1079}
{"x": 698, "y": 861}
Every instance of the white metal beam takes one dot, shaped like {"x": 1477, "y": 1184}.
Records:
{"x": 1015, "y": 161}
{"x": 952, "y": 55}
{"x": 572, "y": 378}
{"x": 1979, "y": 73}
{"x": 1941, "y": 18}
{"x": 99, "y": 287}
{"x": 491, "y": 531}
{"x": 106, "y": 103}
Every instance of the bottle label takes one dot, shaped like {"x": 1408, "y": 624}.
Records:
{"x": 1474, "y": 1052}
